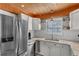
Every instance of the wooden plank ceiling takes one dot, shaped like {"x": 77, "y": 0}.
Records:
{"x": 41, "y": 10}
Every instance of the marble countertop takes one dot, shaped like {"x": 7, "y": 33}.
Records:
{"x": 74, "y": 45}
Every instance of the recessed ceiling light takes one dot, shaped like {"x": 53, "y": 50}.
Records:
{"x": 22, "y": 5}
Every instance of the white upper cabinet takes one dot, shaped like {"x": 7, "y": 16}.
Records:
{"x": 74, "y": 20}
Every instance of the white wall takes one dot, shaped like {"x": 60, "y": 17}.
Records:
{"x": 30, "y": 23}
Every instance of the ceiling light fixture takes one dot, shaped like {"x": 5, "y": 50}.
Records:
{"x": 22, "y": 5}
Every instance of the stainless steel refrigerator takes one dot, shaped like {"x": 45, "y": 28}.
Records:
{"x": 23, "y": 34}
{"x": 8, "y": 32}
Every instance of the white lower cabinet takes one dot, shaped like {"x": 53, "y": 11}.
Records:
{"x": 65, "y": 50}
{"x": 54, "y": 49}
{"x": 44, "y": 49}
{"x": 60, "y": 50}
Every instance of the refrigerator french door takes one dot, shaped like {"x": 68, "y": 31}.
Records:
{"x": 23, "y": 29}
{"x": 7, "y": 34}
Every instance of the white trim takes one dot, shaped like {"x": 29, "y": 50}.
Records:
{"x": 6, "y": 13}
{"x": 77, "y": 10}
{"x": 71, "y": 19}
{"x": 0, "y": 35}
{"x": 58, "y": 18}
{"x": 24, "y": 17}
{"x": 30, "y": 24}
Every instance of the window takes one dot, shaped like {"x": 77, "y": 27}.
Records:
{"x": 36, "y": 24}
{"x": 43, "y": 24}
{"x": 55, "y": 26}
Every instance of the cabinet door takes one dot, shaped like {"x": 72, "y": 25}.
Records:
{"x": 44, "y": 48}
{"x": 65, "y": 50}
{"x": 60, "y": 50}
{"x": 74, "y": 19}
{"x": 54, "y": 49}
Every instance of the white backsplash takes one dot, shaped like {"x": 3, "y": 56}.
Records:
{"x": 71, "y": 35}
{"x": 66, "y": 35}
